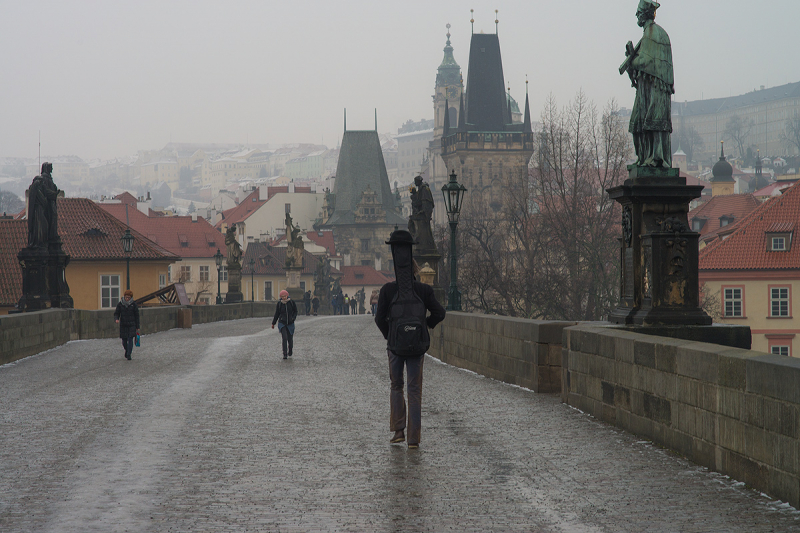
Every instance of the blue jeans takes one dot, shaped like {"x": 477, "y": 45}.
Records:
{"x": 397, "y": 417}
{"x": 128, "y": 345}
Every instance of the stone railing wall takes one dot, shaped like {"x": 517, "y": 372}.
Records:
{"x": 514, "y": 350}
{"x": 27, "y": 334}
{"x": 732, "y": 410}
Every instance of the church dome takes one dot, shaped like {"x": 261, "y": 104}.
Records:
{"x": 722, "y": 171}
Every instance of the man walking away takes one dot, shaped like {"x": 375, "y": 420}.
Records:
{"x": 402, "y": 317}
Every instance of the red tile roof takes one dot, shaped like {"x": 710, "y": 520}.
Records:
{"x": 126, "y": 198}
{"x": 746, "y": 247}
{"x": 271, "y": 259}
{"x": 237, "y": 214}
{"x": 180, "y": 235}
{"x": 90, "y": 233}
{"x": 734, "y": 206}
{"x": 13, "y": 238}
{"x": 368, "y": 276}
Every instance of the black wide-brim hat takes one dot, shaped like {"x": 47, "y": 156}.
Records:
{"x": 401, "y": 236}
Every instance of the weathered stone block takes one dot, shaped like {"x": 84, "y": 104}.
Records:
{"x": 784, "y": 487}
{"x": 784, "y": 454}
{"x": 644, "y": 354}
{"x": 756, "y": 445}
{"x": 699, "y": 361}
{"x": 665, "y": 354}
{"x": 657, "y": 409}
{"x": 753, "y": 410}
{"x": 730, "y": 402}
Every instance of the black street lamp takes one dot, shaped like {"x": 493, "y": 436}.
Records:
{"x": 218, "y": 259}
{"x": 127, "y": 247}
{"x": 252, "y": 286}
{"x": 453, "y": 195}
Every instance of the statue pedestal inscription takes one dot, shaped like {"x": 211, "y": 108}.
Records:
{"x": 35, "y": 263}
{"x": 658, "y": 251}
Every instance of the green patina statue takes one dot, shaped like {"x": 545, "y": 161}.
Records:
{"x": 649, "y": 65}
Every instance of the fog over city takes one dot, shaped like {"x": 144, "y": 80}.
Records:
{"x": 105, "y": 79}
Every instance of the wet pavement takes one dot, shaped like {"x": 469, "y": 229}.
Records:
{"x": 209, "y": 429}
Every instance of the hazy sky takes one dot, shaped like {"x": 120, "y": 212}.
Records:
{"x": 106, "y": 78}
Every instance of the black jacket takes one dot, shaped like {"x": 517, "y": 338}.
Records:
{"x": 128, "y": 316}
{"x": 424, "y": 291}
{"x": 285, "y": 313}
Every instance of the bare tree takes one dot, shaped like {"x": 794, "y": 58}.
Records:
{"x": 737, "y": 130}
{"x": 550, "y": 250}
{"x": 791, "y": 134}
{"x": 689, "y": 141}
{"x": 710, "y": 302}
{"x": 10, "y": 203}
{"x": 582, "y": 155}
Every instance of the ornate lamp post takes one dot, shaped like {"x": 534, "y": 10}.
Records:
{"x": 218, "y": 260}
{"x": 453, "y": 195}
{"x": 252, "y": 284}
{"x": 127, "y": 247}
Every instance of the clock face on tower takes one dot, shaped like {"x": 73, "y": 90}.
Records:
{"x": 452, "y": 91}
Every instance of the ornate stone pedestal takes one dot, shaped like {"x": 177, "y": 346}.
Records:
{"x": 234, "y": 294}
{"x": 658, "y": 251}
{"x": 293, "y": 285}
{"x": 35, "y": 263}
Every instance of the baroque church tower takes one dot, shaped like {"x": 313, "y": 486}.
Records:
{"x": 487, "y": 147}
{"x": 447, "y": 92}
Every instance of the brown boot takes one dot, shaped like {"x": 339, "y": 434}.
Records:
{"x": 399, "y": 436}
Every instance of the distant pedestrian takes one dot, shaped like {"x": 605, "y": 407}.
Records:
{"x": 354, "y": 305}
{"x": 402, "y": 317}
{"x": 127, "y": 316}
{"x": 307, "y": 302}
{"x": 373, "y": 301}
{"x": 346, "y": 305}
{"x": 315, "y": 305}
{"x": 285, "y": 315}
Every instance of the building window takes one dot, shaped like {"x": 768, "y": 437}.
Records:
{"x": 780, "y": 350}
{"x": 779, "y": 301}
{"x": 169, "y": 272}
{"x": 303, "y": 286}
{"x": 733, "y": 302}
{"x": 109, "y": 291}
{"x": 268, "y": 290}
{"x": 186, "y": 273}
{"x": 778, "y": 244}
{"x": 365, "y": 245}
{"x": 204, "y": 273}
{"x": 287, "y": 208}
{"x": 223, "y": 273}
{"x": 162, "y": 281}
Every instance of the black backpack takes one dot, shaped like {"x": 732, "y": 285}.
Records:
{"x": 408, "y": 329}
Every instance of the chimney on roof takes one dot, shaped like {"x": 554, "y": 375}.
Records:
{"x": 148, "y": 196}
{"x": 194, "y": 217}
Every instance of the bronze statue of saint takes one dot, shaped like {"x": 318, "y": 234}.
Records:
{"x": 649, "y": 65}
{"x": 295, "y": 244}
{"x": 42, "y": 209}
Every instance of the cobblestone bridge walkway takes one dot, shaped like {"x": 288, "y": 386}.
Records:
{"x": 209, "y": 429}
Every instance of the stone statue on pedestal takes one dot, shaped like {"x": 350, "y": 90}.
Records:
{"x": 649, "y": 66}
{"x": 43, "y": 261}
{"x": 419, "y": 223}
{"x": 234, "y": 294}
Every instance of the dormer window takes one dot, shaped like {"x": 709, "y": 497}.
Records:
{"x": 698, "y": 223}
{"x": 779, "y": 242}
{"x": 725, "y": 220}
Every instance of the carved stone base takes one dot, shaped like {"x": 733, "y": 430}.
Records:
{"x": 658, "y": 251}
{"x": 35, "y": 269}
{"x": 234, "y": 294}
